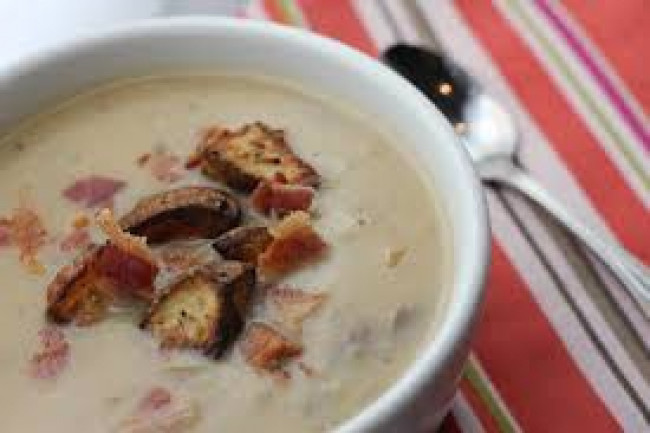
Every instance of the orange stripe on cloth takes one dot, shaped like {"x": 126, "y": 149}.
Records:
{"x": 337, "y": 19}
{"x": 621, "y": 30}
{"x": 565, "y": 130}
{"x": 275, "y": 12}
{"x": 547, "y": 392}
{"x": 479, "y": 408}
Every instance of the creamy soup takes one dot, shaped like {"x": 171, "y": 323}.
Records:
{"x": 384, "y": 273}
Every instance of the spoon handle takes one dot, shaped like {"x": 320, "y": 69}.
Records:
{"x": 628, "y": 270}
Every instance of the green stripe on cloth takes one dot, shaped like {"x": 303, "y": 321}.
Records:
{"x": 480, "y": 385}
{"x": 563, "y": 68}
{"x": 292, "y": 13}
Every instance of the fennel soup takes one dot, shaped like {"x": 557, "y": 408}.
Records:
{"x": 203, "y": 253}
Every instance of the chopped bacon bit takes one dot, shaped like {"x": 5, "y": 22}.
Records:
{"x": 281, "y": 198}
{"x": 143, "y": 159}
{"x": 295, "y": 243}
{"x": 161, "y": 412}
{"x": 78, "y": 238}
{"x": 133, "y": 244}
{"x": 26, "y": 230}
{"x": 53, "y": 355}
{"x": 93, "y": 191}
{"x": 156, "y": 398}
{"x": 164, "y": 166}
{"x": 130, "y": 273}
{"x": 126, "y": 259}
{"x": 80, "y": 221}
{"x": 193, "y": 161}
{"x": 266, "y": 349}
{"x": 5, "y": 234}
{"x": 294, "y": 305}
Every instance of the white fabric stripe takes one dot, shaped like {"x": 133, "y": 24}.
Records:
{"x": 465, "y": 417}
{"x": 408, "y": 32}
{"x": 255, "y": 10}
{"x": 563, "y": 320}
{"x": 602, "y": 62}
{"x": 374, "y": 22}
{"x": 583, "y": 110}
{"x": 535, "y": 153}
{"x": 495, "y": 393}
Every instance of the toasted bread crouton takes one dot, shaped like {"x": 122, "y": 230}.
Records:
{"x": 77, "y": 294}
{"x": 204, "y": 310}
{"x": 243, "y": 243}
{"x": 294, "y": 244}
{"x": 191, "y": 212}
{"x": 266, "y": 349}
{"x": 280, "y": 198}
{"x": 253, "y": 153}
{"x": 180, "y": 258}
{"x": 238, "y": 279}
{"x": 82, "y": 291}
{"x": 294, "y": 306}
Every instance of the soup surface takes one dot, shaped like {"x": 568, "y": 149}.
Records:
{"x": 383, "y": 275}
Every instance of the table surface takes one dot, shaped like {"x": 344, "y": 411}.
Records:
{"x": 560, "y": 346}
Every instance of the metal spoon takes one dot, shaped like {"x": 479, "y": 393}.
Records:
{"x": 491, "y": 137}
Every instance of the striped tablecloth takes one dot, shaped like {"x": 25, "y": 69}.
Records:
{"x": 560, "y": 347}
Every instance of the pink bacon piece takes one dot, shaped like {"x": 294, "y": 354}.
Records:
{"x": 159, "y": 411}
{"x": 77, "y": 239}
{"x": 53, "y": 355}
{"x": 93, "y": 191}
{"x": 281, "y": 198}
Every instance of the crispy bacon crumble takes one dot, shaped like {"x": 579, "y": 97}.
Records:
{"x": 26, "y": 231}
{"x": 266, "y": 349}
{"x": 294, "y": 244}
{"x": 160, "y": 411}
{"x": 93, "y": 191}
{"x": 52, "y": 356}
{"x": 281, "y": 198}
{"x": 294, "y": 306}
{"x": 163, "y": 166}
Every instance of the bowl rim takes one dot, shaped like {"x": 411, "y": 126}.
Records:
{"x": 460, "y": 317}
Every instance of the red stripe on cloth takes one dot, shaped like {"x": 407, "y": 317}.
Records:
{"x": 512, "y": 324}
{"x": 565, "y": 130}
{"x": 479, "y": 408}
{"x": 337, "y": 19}
{"x": 621, "y": 30}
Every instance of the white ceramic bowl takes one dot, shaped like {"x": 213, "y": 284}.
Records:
{"x": 419, "y": 400}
